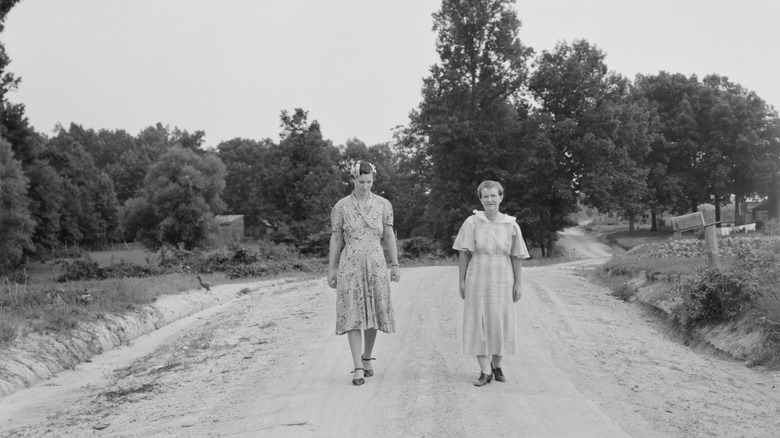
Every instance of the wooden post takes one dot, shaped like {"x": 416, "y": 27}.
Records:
{"x": 711, "y": 245}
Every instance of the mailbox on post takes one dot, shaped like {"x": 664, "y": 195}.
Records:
{"x": 694, "y": 221}
{"x": 687, "y": 222}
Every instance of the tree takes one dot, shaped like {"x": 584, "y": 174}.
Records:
{"x": 181, "y": 194}
{"x": 671, "y": 182}
{"x": 468, "y": 112}
{"x": 598, "y": 132}
{"x": 548, "y": 195}
{"x": 248, "y": 169}
{"x": 303, "y": 184}
{"x": 412, "y": 183}
{"x": 88, "y": 215}
{"x": 14, "y": 126}
{"x": 16, "y": 225}
{"x": 716, "y": 141}
{"x": 46, "y": 198}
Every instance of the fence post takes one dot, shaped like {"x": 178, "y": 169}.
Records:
{"x": 711, "y": 246}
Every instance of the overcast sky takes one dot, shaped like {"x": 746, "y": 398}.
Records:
{"x": 230, "y": 67}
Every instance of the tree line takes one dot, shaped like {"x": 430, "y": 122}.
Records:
{"x": 557, "y": 128}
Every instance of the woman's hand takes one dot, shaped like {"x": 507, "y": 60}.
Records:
{"x": 463, "y": 289}
{"x": 395, "y": 273}
{"x": 332, "y": 278}
{"x": 517, "y": 291}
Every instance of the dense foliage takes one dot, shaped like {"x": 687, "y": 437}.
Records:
{"x": 558, "y": 129}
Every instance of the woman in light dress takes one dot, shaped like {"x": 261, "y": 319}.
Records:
{"x": 360, "y": 222}
{"x": 491, "y": 250}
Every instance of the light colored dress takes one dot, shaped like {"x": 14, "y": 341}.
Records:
{"x": 362, "y": 281}
{"x": 489, "y": 320}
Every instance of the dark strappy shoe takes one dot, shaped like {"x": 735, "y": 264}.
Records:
{"x": 484, "y": 379}
{"x": 368, "y": 373}
{"x": 360, "y": 381}
{"x": 498, "y": 374}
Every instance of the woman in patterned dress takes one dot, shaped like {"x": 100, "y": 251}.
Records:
{"x": 361, "y": 221}
{"x": 491, "y": 250}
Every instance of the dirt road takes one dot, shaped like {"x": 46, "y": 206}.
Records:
{"x": 268, "y": 364}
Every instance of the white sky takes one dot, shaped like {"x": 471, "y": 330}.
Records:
{"x": 230, "y": 67}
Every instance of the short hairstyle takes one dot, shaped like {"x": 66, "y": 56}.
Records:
{"x": 489, "y": 185}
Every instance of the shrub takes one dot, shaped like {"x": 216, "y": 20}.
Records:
{"x": 87, "y": 269}
{"x": 418, "y": 246}
{"x": 771, "y": 227}
{"x": 81, "y": 269}
{"x": 9, "y": 327}
{"x": 713, "y": 295}
{"x": 624, "y": 292}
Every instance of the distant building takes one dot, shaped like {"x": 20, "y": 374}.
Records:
{"x": 746, "y": 208}
{"x": 760, "y": 211}
{"x": 230, "y": 227}
{"x": 259, "y": 229}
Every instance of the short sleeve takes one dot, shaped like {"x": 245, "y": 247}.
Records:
{"x": 519, "y": 249}
{"x": 387, "y": 214}
{"x": 337, "y": 218}
{"x": 465, "y": 240}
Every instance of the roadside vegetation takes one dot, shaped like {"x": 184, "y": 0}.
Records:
{"x": 54, "y": 297}
{"x": 672, "y": 274}
{"x": 79, "y": 286}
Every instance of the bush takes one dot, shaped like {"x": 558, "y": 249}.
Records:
{"x": 417, "y": 247}
{"x": 9, "y": 327}
{"x": 771, "y": 227}
{"x": 87, "y": 269}
{"x": 713, "y": 295}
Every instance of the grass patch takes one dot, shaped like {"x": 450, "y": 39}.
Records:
{"x": 57, "y": 296}
{"x": 652, "y": 267}
{"x": 9, "y": 327}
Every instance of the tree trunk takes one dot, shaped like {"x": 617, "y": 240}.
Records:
{"x": 549, "y": 245}
{"x": 737, "y": 216}
{"x": 631, "y": 225}
{"x": 653, "y": 221}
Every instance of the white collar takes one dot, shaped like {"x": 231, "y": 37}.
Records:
{"x": 507, "y": 218}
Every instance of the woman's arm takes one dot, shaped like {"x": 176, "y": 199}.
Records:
{"x": 517, "y": 268}
{"x": 464, "y": 257}
{"x": 392, "y": 248}
{"x": 336, "y": 239}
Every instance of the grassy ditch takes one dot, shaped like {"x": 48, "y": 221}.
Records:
{"x": 56, "y": 297}
{"x": 672, "y": 274}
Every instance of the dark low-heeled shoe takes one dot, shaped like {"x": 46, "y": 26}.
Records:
{"x": 484, "y": 379}
{"x": 360, "y": 381}
{"x": 498, "y": 374}
{"x": 368, "y": 373}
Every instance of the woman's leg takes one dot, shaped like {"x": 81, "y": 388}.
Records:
{"x": 484, "y": 364}
{"x": 355, "y": 338}
{"x": 497, "y": 361}
{"x": 498, "y": 373}
{"x": 486, "y": 376}
{"x": 370, "y": 336}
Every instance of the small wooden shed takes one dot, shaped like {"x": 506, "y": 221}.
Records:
{"x": 231, "y": 226}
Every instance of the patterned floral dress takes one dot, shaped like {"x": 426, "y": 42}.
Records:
{"x": 489, "y": 320}
{"x": 362, "y": 281}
